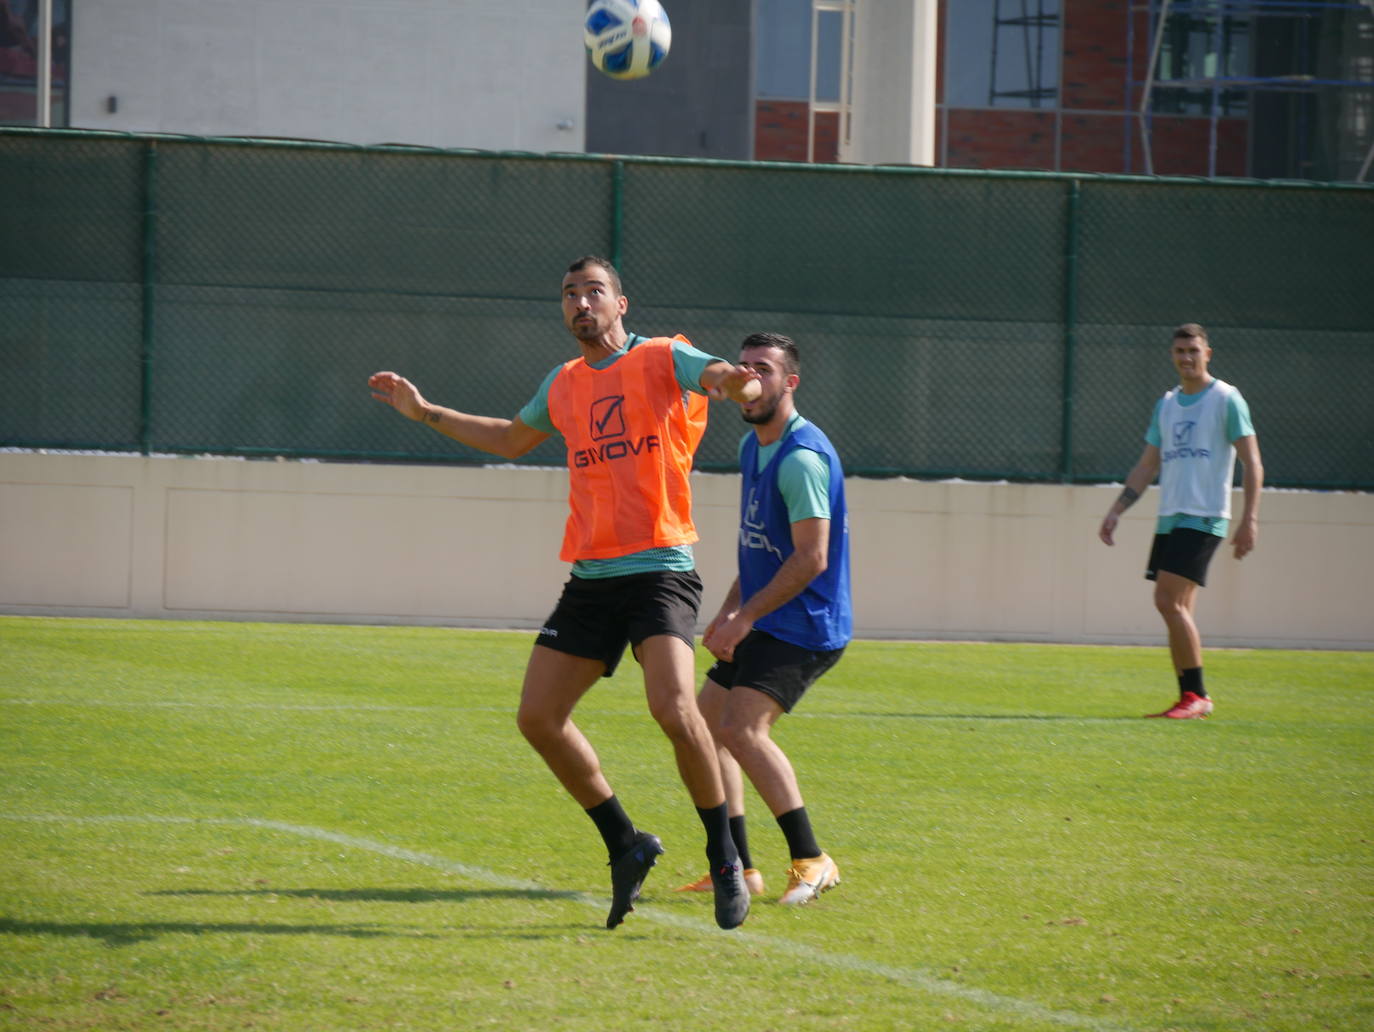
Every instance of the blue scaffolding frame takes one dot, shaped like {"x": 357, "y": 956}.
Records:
{"x": 1159, "y": 12}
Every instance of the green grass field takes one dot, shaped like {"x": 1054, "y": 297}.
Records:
{"x": 287, "y": 827}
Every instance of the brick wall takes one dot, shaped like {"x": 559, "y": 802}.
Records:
{"x": 780, "y": 132}
{"x": 1180, "y": 146}
{"x": 1006, "y": 138}
{"x": 1093, "y": 69}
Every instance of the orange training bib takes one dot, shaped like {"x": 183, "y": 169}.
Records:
{"x": 631, "y": 432}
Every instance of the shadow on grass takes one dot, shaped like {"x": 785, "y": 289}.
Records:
{"x": 128, "y": 933}
{"x": 385, "y": 895}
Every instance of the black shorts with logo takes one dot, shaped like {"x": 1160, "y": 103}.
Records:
{"x": 1184, "y": 551}
{"x": 779, "y": 669}
{"x": 596, "y": 617}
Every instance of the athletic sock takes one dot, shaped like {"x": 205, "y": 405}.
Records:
{"x": 741, "y": 838}
{"x": 801, "y": 842}
{"x": 617, "y": 830}
{"x": 1190, "y": 680}
{"x": 720, "y": 846}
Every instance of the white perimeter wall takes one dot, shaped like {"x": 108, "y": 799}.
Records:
{"x": 126, "y": 536}
{"x": 488, "y": 74}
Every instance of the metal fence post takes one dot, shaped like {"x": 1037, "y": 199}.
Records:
{"x": 149, "y": 314}
{"x": 1070, "y": 331}
{"x": 617, "y": 210}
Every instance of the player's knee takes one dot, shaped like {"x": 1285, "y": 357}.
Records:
{"x": 728, "y": 735}
{"x": 737, "y": 738}
{"x": 676, "y": 718}
{"x": 1168, "y": 603}
{"x": 536, "y": 727}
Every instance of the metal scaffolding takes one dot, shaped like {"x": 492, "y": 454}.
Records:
{"x": 1032, "y": 23}
{"x": 1224, "y": 22}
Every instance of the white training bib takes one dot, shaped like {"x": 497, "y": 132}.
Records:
{"x": 1197, "y": 462}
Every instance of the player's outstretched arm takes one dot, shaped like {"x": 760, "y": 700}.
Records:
{"x": 508, "y": 438}
{"x": 721, "y": 380}
{"x": 1138, "y": 482}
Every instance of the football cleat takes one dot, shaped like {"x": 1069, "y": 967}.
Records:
{"x": 732, "y": 896}
{"x": 628, "y": 872}
{"x": 807, "y": 879}
{"x": 1189, "y": 707}
{"x": 753, "y": 881}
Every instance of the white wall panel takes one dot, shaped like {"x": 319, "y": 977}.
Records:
{"x": 65, "y": 544}
{"x": 224, "y": 538}
{"x": 486, "y": 74}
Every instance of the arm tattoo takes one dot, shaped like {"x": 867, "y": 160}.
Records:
{"x": 1128, "y": 498}
{"x": 431, "y": 416}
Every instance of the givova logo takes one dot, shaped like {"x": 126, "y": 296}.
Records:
{"x": 752, "y": 533}
{"x": 608, "y": 417}
{"x": 1182, "y": 433}
{"x": 607, "y": 420}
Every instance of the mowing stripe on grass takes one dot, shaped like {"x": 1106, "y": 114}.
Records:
{"x": 914, "y": 978}
{"x": 631, "y": 711}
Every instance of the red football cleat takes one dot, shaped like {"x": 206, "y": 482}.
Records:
{"x": 1189, "y": 707}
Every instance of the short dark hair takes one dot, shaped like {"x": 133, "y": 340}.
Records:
{"x": 602, "y": 263}
{"x": 788, "y": 347}
{"x": 1191, "y": 330}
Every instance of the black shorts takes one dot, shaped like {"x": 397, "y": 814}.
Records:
{"x": 1183, "y": 551}
{"x": 779, "y": 669}
{"x": 596, "y": 617}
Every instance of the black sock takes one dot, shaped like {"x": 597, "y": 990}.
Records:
{"x": 801, "y": 842}
{"x": 617, "y": 831}
{"x": 1191, "y": 681}
{"x": 741, "y": 841}
{"x": 720, "y": 846}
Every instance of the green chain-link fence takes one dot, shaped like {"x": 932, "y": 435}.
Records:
{"x": 161, "y": 294}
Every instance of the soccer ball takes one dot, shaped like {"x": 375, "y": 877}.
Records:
{"x": 627, "y": 39}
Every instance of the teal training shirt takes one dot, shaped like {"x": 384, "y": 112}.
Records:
{"x": 1238, "y": 425}
{"x": 803, "y": 477}
{"x": 689, "y": 362}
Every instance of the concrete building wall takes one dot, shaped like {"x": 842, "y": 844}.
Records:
{"x": 127, "y": 536}
{"x": 487, "y": 74}
{"x": 700, "y": 101}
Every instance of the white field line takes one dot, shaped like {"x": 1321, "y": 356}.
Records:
{"x": 913, "y": 978}
{"x": 602, "y": 710}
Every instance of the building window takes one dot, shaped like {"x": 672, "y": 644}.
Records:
{"x": 803, "y": 61}
{"x": 19, "y": 61}
{"x": 1002, "y": 53}
{"x": 784, "y": 50}
{"x": 829, "y": 56}
{"x": 1199, "y": 51}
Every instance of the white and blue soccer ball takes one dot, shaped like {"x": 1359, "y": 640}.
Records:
{"x": 627, "y": 39}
